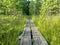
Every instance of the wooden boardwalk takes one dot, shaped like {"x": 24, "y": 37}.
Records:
{"x": 26, "y": 36}
{"x": 31, "y": 35}
{"x": 38, "y": 39}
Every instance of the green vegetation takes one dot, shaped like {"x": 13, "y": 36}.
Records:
{"x": 49, "y": 26}
{"x": 46, "y": 15}
{"x": 11, "y": 28}
{"x": 48, "y": 21}
{"x": 12, "y": 21}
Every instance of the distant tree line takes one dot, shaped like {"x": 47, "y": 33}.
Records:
{"x": 45, "y": 7}
{"x": 33, "y": 7}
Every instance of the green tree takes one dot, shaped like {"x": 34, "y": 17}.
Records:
{"x": 38, "y": 6}
{"x": 49, "y": 7}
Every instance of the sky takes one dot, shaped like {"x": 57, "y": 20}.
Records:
{"x": 31, "y": 0}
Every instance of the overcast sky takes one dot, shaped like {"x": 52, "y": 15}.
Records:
{"x": 31, "y": 0}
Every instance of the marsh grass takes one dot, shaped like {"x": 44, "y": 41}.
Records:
{"x": 49, "y": 26}
{"x": 10, "y": 28}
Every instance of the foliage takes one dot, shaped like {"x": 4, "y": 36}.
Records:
{"x": 11, "y": 28}
{"x": 49, "y": 26}
{"x": 48, "y": 22}
{"x": 9, "y": 7}
{"x": 50, "y": 7}
{"x": 12, "y": 20}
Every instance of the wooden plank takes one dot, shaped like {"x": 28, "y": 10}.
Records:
{"x": 38, "y": 39}
{"x": 26, "y": 38}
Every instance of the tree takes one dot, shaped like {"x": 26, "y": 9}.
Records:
{"x": 32, "y": 8}
{"x": 49, "y": 7}
{"x": 38, "y": 6}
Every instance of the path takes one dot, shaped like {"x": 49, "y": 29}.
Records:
{"x": 31, "y": 35}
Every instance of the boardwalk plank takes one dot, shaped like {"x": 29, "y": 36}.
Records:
{"x": 26, "y": 38}
{"x": 31, "y": 34}
{"x": 38, "y": 39}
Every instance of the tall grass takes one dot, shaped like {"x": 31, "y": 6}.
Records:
{"x": 10, "y": 28}
{"x": 49, "y": 26}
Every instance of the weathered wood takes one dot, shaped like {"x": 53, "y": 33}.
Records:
{"x": 31, "y": 35}
{"x": 26, "y": 38}
{"x": 38, "y": 39}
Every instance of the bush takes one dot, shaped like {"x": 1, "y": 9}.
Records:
{"x": 10, "y": 28}
{"x": 49, "y": 26}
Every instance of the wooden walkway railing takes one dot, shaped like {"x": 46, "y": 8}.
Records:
{"x": 31, "y": 35}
